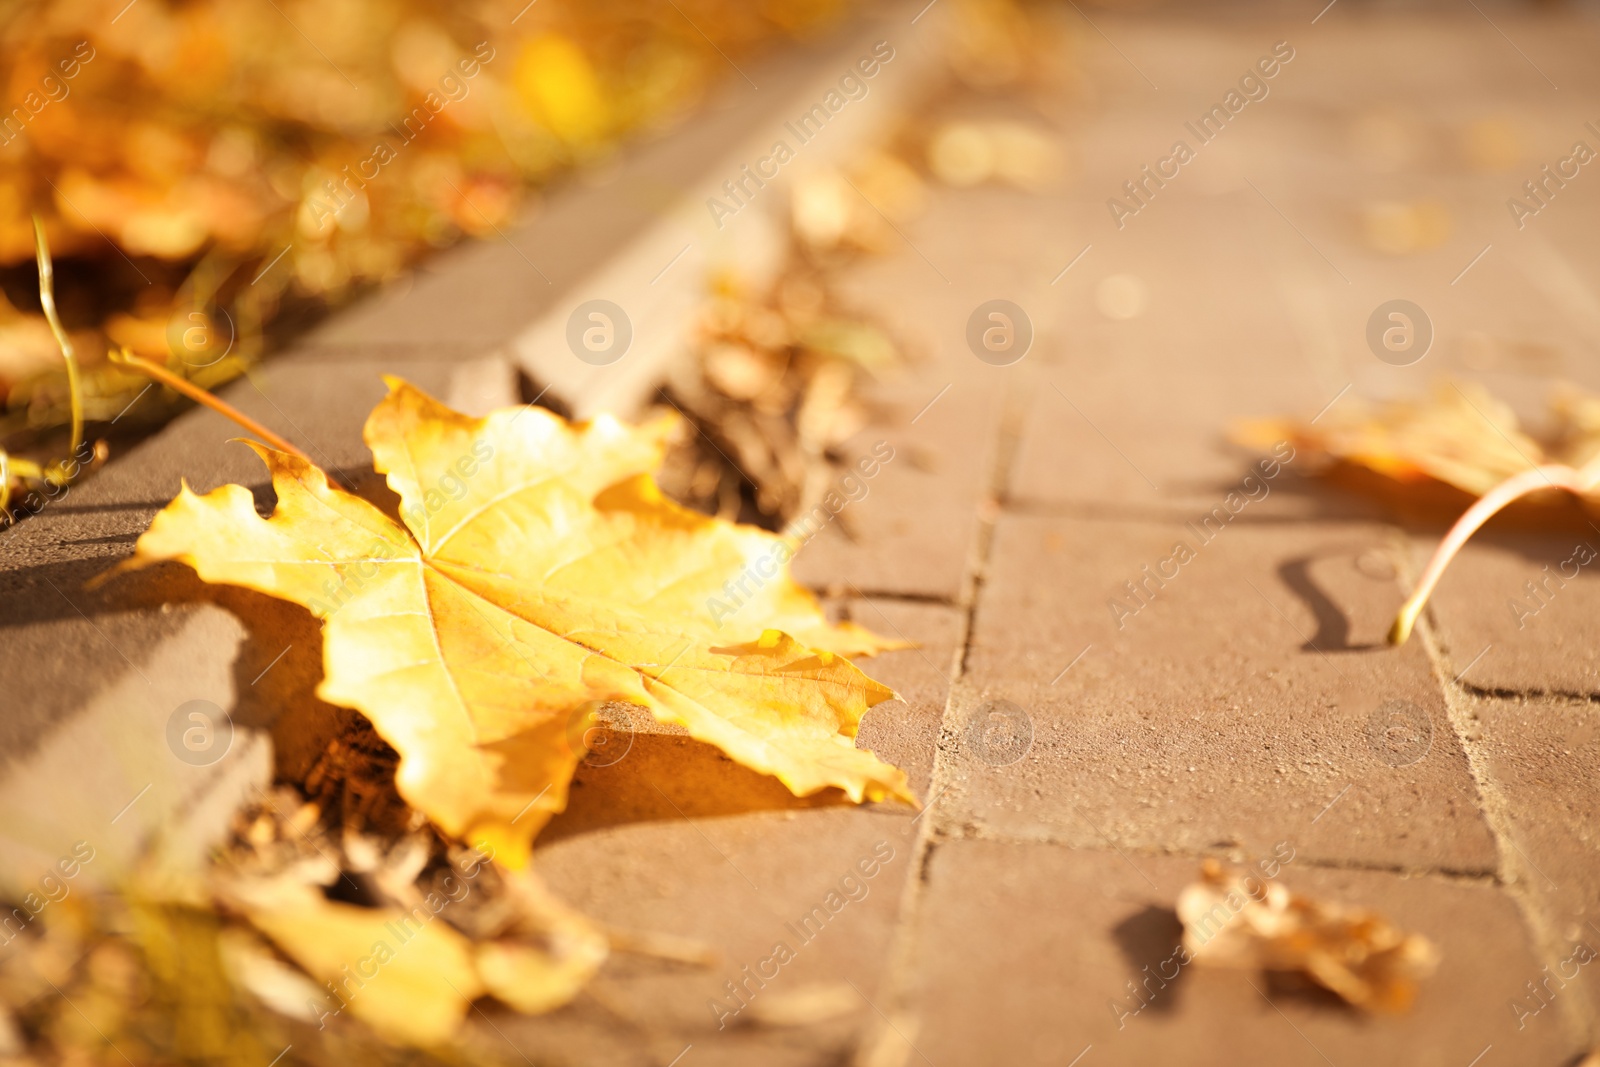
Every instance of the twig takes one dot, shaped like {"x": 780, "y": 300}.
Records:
{"x": 125, "y": 358}
{"x": 662, "y": 946}
{"x": 1555, "y": 476}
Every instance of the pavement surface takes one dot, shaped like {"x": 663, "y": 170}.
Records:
{"x": 1081, "y": 748}
{"x": 1085, "y": 725}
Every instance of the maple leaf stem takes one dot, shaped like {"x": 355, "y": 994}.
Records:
{"x": 1555, "y": 476}
{"x": 161, "y": 374}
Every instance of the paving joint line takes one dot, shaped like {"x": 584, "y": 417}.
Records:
{"x": 832, "y": 591}
{"x": 1454, "y": 875}
{"x": 1516, "y": 874}
{"x": 1486, "y": 692}
{"x": 900, "y": 972}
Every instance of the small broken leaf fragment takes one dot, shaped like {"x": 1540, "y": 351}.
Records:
{"x": 558, "y": 952}
{"x": 409, "y": 974}
{"x": 411, "y": 979}
{"x": 807, "y": 1005}
{"x": 536, "y": 570}
{"x": 1230, "y": 920}
{"x": 528, "y": 978}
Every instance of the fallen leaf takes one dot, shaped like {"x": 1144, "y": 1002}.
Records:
{"x": 1459, "y": 434}
{"x": 557, "y": 953}
{"x": 408, "y": 978}
{"x": 807, "y": 1005}
{"x": 253, "y": 966}
{"x": 1400, "y": 228}
{"x": 407, "y": 973}
{"x": 1354, "y": 953}
{"x": 1492, "y": 144}
{"x": 539, "y": 570}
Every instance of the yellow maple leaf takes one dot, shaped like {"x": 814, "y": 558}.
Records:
{"x": 537, "y": 570}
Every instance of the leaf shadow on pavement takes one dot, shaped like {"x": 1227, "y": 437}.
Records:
{"x": 634, "y": 776}
{"x": 1333, "y": 624}
{"x": 1152, "y": 938}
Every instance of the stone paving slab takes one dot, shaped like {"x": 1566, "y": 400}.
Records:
{"x": 904, "y": 734}
{"x": 742, "y": 884}
{"x": 1137, "y": 409}
{"x": 1233, "y": 707}
{"x": 1502, "y": 635}
{"x": 1544, "y": 755}
{"x": 911, "y": 531}
{"x": 1056, "y": 985}
{"x": 1236, "y": 710}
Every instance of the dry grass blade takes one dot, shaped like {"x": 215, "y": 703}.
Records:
{"x": 47, "y": 299}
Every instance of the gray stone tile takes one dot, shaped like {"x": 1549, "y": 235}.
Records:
{"x": 1025, "y": 954}
{"x": 1519, "y": 610}
{"x": 1247, "y": 701}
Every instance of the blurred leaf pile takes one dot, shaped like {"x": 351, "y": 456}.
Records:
{"x": 197, "y": 195}
{"x": 783, "y": 368}
{"x": 206, "y": 168}
{"x": 144, "y": 979}
{"x": 774, "y": 391}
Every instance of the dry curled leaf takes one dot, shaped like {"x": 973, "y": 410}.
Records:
{"x": 1235, "y": 921}
{"x": 406, "y": 979}
{"x": 536, "y": 569}
{"x": 407, "y": 972}
{"x": 1460, "y": 434}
